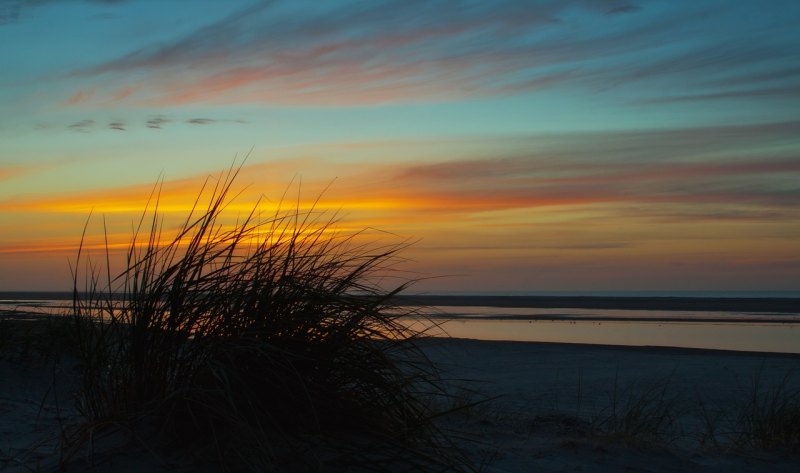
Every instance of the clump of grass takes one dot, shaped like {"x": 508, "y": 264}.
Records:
{"x": 257, "y": 342}
{"x": 769, "y": 419}
{"x": 641, "y": 415}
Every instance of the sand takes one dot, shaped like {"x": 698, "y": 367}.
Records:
{"x": 546, "y": 402}
{"x": 35, "y": 401}
{"x": 548, "y": 396}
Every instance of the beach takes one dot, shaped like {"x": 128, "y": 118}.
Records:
{"x": 547, "y": 396}
{"x": 529, "y": 407}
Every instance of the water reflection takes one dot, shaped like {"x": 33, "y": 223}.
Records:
{"x": 765, "y": 337}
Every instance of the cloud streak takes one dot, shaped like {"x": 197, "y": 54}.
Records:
{"x": 11, "y": 171}
{"x": 155, "y": 123}
{"x": 355, "y": 53}
{"x": 14, "y": 171}
{"x": 576, "y": 170}
{"x": 12, "y": 11}
{"x": 82, "y": 126}
{"x": 736, "y": 173}
{"x": 80, "y": 96}
{"x": 704, "y": 198}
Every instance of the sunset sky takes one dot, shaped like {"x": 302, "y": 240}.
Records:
{"x": 577, "y": 145}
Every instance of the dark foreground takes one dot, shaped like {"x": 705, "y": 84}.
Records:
{"x": 545, "y": 407}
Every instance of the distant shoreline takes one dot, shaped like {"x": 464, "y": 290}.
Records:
{"x": 700, "y": 304}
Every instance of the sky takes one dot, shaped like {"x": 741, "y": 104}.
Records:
{"x": 584, "y": 145}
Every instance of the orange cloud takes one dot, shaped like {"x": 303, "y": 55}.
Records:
{"x": 483, "y": 218}
{"x": 568, "y": 216}
{"x": 456, "y": 187}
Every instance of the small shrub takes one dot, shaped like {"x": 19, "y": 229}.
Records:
{"x": 258, "y": 342}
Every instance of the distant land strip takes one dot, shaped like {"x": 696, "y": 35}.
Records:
{"x": 782, "y": 319}
{"x": 777, "y": 305}
{"x": 699, "y": 304}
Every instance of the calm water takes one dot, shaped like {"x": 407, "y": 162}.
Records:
{"x": 738, "y": 336}
{"x": 742, "y": 331}
{"x": 739, "y": 331}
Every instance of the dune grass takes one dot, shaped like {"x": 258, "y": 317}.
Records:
{"x": 258, "y": 343}
{"x": 769, "y": 418}
{"x": 766, "y": 418}
{"x": 644, "y": 414}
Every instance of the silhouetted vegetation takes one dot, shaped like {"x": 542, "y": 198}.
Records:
{"x": 260, "y": 343}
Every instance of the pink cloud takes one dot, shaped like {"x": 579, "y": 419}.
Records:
{"x": 10, "y": 171}
{"x": 124, "y": 93}
{"x": 81, "y": 96}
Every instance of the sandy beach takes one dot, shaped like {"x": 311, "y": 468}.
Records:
{"x": 547, "y": 397}
{"x": 544, "y": 410}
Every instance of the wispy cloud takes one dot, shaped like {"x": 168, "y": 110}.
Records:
{"x": 82, "y": 126}
{"x": 157, "y": 122}
{"x": 14, "y": 10}
{"x": 80, "y": 97}
{"x": 9, "y": 171}
{"x": 621, "y": 9}
{"x": 390, "y": 51}
{"x": 123, "y": 93}
{"x": 778, "y": 93}
{"x": 13, "y": 171}
{"x": 199, "y": 121}
{"x": 706, "y": 201}
{"x": 210, "y": 121}
{"x": 722, "y": 173}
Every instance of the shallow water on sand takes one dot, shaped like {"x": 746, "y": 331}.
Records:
{"x": 721, "y": 330}
{"x": 717, "y": 330}
{"x": 737, "y": 336}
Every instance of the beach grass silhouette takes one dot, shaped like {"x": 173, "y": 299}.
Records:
{"x": 269, "y": 341}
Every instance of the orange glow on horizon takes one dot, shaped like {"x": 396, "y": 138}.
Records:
{"x": 489, "y": 224}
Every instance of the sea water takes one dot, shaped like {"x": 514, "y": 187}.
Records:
{"x": 719, "y": 330}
